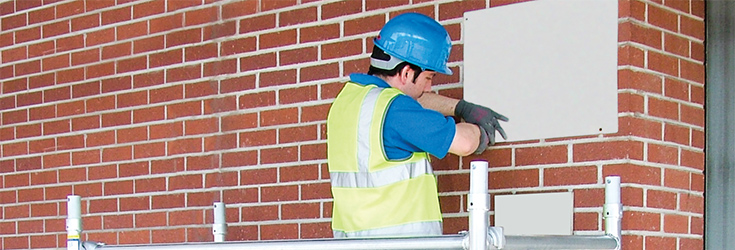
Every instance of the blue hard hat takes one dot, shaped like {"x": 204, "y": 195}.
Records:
{"x": 417, "y": 39}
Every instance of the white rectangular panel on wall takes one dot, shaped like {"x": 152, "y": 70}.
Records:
{"x": 535, "y": 214}
{"x": 548, "y": 65}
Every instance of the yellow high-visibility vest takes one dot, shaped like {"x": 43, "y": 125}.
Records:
{"x": 370, "y": 191}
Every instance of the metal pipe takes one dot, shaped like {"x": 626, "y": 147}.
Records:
{"x": 478, "y": 206}
{"x": 73, "y": 221}
{"x": 566, "y": 242}
{"x": 612, "y": 210}
{"x": 219, "y": 228}
{"x": 445, "y": 242}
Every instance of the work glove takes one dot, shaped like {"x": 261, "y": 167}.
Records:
{"x": 481, "y": 116}
{"x": 484, "y": 141}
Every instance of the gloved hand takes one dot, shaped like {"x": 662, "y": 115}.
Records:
{"x": 484, "y": 141}
{"x": 482, "y": 116}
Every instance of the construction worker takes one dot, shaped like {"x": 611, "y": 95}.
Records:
{"x": 383, "y": 125}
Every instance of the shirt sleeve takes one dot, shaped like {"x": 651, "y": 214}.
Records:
{"x": 408, "y": 128}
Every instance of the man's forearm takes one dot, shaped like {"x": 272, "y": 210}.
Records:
{"x": 439, "y": 103}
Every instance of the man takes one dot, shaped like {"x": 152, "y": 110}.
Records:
{"x": 382, "y": 127}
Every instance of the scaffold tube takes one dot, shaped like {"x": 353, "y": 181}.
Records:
{"x": 478, "y": 206}
{"x": 73, "y": 221}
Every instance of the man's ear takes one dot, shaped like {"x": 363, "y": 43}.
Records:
{"x": 406, "y": 74}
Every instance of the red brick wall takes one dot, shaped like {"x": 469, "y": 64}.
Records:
{"x": 153, "y": 110}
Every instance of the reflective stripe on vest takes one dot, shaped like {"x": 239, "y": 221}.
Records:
{"x": 416, "y": 229}
{"x": 373, "y": 194}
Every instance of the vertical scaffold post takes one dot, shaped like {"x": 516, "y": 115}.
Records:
{"x": 219, "y": 228}
{"x": 613, "y": 209}
{"x": 478, "y": 206}
{"x": 73, "y": 221}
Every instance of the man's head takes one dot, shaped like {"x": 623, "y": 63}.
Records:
{"x": 412, "y": 45}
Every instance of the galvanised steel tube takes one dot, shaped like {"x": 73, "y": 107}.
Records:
{"x": 446, "y": 242}
{"x": 566, "y": 242}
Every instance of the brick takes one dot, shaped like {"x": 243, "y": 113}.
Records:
{"x": 40, "y": 113}
{"x": 165, "y": 58}
{"x": 84, "y": 22}
{"x": 26, "y": 131}
{"x": 693, "y": 71}
{"x": 201, "y": 52}
{"x": 259, "y": 99}
{"x": 134, "y": 237}
{"x": 342, "y": 8}
{"x": 117, "y": 50}
{"x": 177, "y": 110}
{"x": 72, "y": 175}
{"x": 279, "y": 116}
{"x": 16, "y": 54}
{"x": 86, "y": 157}
{"x": 278, "y": 155}
{"x": 220, "y": 142}
{"x": 55, "y": 29}
{"x": 84, "y": 123}
{"x": 663, "y": 18}
{"x": 116, "y": 15}
{"x": 43, "y": 145}
{"x": 167, "y": 201}
{"x": 28, "y": 68}
{"x": 238, "y": 159}
{"x": 278, "y": 39}
{"x": 221, "y": 179}
{"x": 645, "y": 221}
{"x": 285, "y": 231}
{"x": 131, "y": 64}
{"x": 301, "y": 55}
{"x": 182, "y": 146}
{"x": 541, "y": 155}
{"x": 309, "y": 113}
{"x": 221, "y": 67}
{"x": 148, "y": 79}
{"x": 259, "y": 213}
{"x": 100, "y": 103}
{"x": 183, "y": 73}
{"x": 239, "y": 8}
{"x": 275, "y": 78}
{"x": 200, "y": 89}
{"x": 634, "y": 173}
{"x": 693, "y": 244}
{"x": 95, "y": 5}
{"x": 297, "y": 16}
{"x": 319, "y": 72}
{"x": 56, "y": 127}
{"x": 691, "y": 27}
{"x": 183, "y": 37}
{"x": 321, "y": 32}
{"x": 41, "y": 15}
{"x": 100, "y": 138}
{"x": 220, "y": 104}
{"x": 165, "y": 23}
{"x": 608, "y": 150}
{"x": 200, "y": 16}
{"x": 676, "y": 89}
{"x": 120, "y": 153}
{"x": 98, "y": 70}
{"x": 15, "y": 21}
{"x": 70, "y": 142}
{"x": 300, "y": 211}
{"x": 661, "y": 199}
{"x": 363, "y": 25}
{"x": 676, "y": 134}
{"x": 240, "y": 195}
{"x": 692, "y": 159}
{"x": 257, "y": 23}
{"x": 176, "y": 235}
{"x": 676, "y": 44}
{"x": 663, "y": 108}
{"x": 85, "y": 57}
{"x": 570, "y": 176}
{"x": 182, "y": 4}
{"x": 299, "y": 173}
{"x": 100, "y": 37}
{"x": 202, "y": 162}
{"x": 457, "y": 9}
{"x": 654, "y": 242}
{"x": 676, "y": 179}
{"x": 342, "y": 49}
{"x": 148, "y": 8}
{"x": 663, "y": 154}
{"x": 691, "y": 203}
{"x": 148, "y": 44}
{"x": 271, "y": 5}
{"x": 663, "y": 63}
{"x": 166, "y": 130}
{"x": 150, "y": 185}
{"x": 117, "y": 221}
{"x": 261, "y": 61}
{"x": 51, "y": 63}
{"x": 87, "y": 190}
{"x": 116, "y": 119}
{"x": 238, "y": 46}
{"x": 191, "y": 181}
{"x": 56, "y": 160}
{"x": 116, "y": 84}
{"x": 186, "y": 217}
{"x": 27, "y": 99}
{"x": 149, "y": 150}
{"x": 103, "y": 205}
{"x": 697, "y": 226}
{"x": 316, "y": 230}
{"x": 258, "y": 176}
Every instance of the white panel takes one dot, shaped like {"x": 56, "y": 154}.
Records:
{"x": 548, "y": 65}
{"x": 535, "y": 214}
